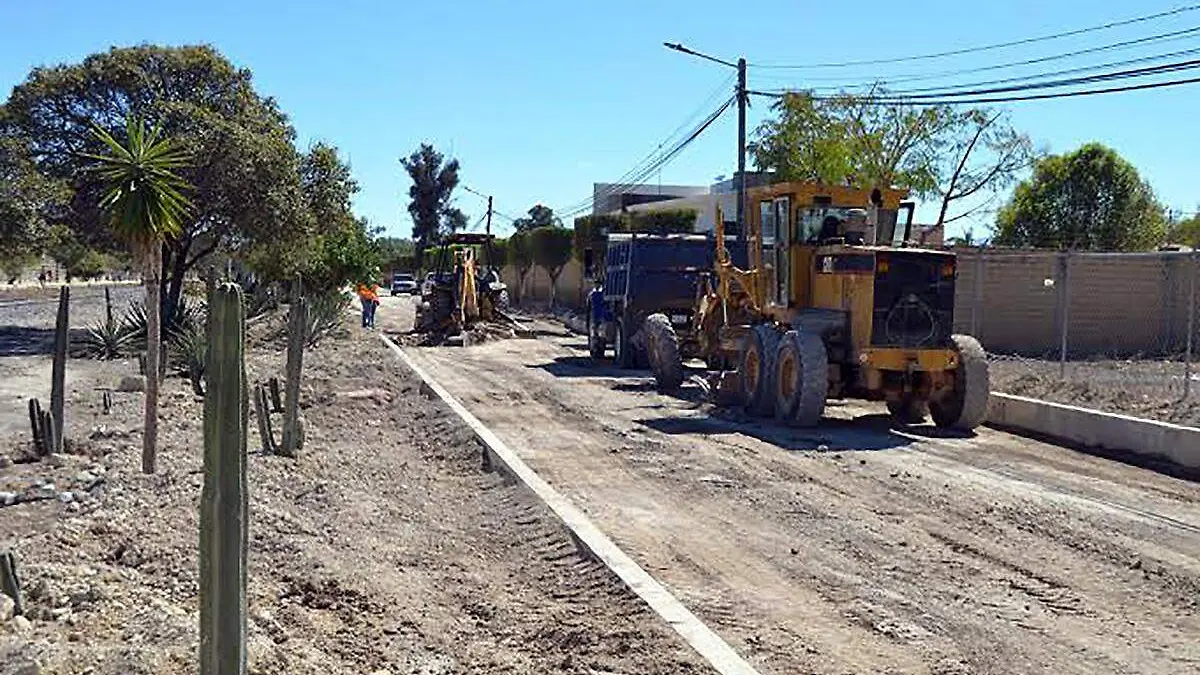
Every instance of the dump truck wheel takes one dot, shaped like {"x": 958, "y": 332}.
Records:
{"x": 757, "y": 370}
{"x": 801, "y": 379}
{"x": 966, "y": 407}
{"x": 910, "y": 410}
{"x": 662, "y": 345}
{"x": 623, "y": 347}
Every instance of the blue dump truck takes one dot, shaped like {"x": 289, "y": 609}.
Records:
{"x": 646, "y": 274}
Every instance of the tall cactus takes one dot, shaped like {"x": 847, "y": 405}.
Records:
{"x": 292, "y": 433}
{"x": 62, "y": 327}
{"x": 223, "y": 505}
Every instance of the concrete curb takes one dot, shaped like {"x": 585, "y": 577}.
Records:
{"x": 1093, "y": 428}
{"x": 591, "y": 539}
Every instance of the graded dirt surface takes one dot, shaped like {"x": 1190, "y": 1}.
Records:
{"x": 853, "y": 547}
{"x": 385, "y": 548}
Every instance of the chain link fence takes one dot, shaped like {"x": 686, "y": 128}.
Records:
{"x": 1111, "y": 331}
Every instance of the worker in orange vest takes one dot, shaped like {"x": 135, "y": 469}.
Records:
{"x": 368, "y": 293}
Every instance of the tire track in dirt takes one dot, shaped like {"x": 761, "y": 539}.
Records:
{"x": 910, "y": 556}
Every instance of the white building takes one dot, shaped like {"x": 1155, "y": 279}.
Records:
{"x": 610, "y": 197}
{"x": 703, "y": 200}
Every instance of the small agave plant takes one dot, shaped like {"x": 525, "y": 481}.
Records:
{"x": 108, "y": 339}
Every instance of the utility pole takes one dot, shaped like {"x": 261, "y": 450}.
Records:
{"x": 489, "y": 217}
{"x": 742, "y": 99}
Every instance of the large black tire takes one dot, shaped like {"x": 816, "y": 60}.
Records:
{"x": 756, "y": 370}
{"x": 623, "y": 352}
{"x": 966, "y": 407}
{"x": 909, "y": 410}
{"x": 801, "y": 379}
{"x": 662, "y": 345}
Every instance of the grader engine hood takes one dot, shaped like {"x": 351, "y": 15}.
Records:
{"x": 914, "y": 299}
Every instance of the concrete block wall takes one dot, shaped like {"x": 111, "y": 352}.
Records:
{"x": 1115, "y": 303}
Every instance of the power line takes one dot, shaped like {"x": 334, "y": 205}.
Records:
{"x": 624, "y": 180}
{"x": 1007, "y": 99}
{"x": 1015, "y": 78}
{"x": 983, "y": 48}
{"x": 1068, "y": 71}
{"x": 1160, "y": 37}
{"x": 661, "y": 161}
{"x": 1117, "y": 75}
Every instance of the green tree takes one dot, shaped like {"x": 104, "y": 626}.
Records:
{"x": 1185, "y": 231}
{"x": 551, "y": 251}
{"x": 934, "y": 151}
{"x": 243, "y": 164}
{"x": 144, "y": 204}
{"x": 396, "y": 253}
{"x": 985, "y": 155}
{"x": 1090, "y": 199}
{"x": 29, "y": 202}
{"x": 343, "y": 250}
{"x": 433, "y": 183}
{"x": 520, "y": 256}
{"x": 539, "y": 216}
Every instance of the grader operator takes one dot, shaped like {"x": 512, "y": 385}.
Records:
{"x": 835, "y": 304}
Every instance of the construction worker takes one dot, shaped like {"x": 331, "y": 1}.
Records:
{"x": 368, "y": 293}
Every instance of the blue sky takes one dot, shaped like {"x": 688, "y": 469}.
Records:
{"x": 538, "y": 100}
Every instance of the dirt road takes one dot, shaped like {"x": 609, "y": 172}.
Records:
{"x": 854, "y": 548}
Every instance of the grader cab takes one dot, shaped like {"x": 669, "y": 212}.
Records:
{"x": 835, "y": 304}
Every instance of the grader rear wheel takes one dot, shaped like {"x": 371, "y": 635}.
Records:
{"x": 801, "y": 379}
{"x": 757, "y": 370}
{"x": 966, "y": 407}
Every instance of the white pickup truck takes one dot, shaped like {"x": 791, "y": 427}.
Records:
{"x": 404, "y": 283}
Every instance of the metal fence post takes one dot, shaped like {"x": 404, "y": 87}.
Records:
{"x": 1064, "y": 262}
{"x": 1191, "y": 325}
{"x": 977, "y": 300}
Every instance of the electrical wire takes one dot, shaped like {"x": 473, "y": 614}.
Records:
{"x": 983, "y": 48}
{"x": 658, "y": 163}
{"x": 1007, "y": 99}
{"x": 623, "y": 181}
{"x": 1117, "y": 75}
{"x": 1161, "y": 37}
{"x": 1022, "y": 78}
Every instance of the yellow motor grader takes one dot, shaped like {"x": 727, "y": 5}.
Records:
{"x": 835, "y": 304}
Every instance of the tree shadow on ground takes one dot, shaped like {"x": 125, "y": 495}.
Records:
{"x": 27, "y": 341}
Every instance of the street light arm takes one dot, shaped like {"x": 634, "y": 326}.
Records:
{"x": 691, "y": 52}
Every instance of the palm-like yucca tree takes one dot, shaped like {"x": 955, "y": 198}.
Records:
{"x": 144, "y": 201}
